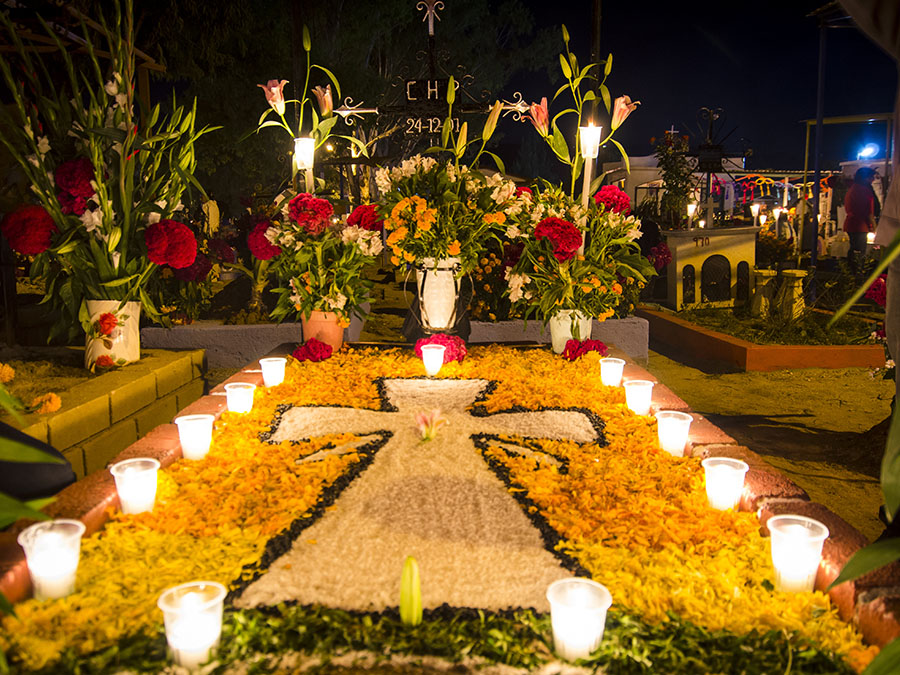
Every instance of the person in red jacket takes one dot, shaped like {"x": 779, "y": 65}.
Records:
{"x": 860, "y": 206}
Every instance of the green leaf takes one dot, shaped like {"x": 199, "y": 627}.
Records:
{"x": 17, "y": 451}
{"x": 607, "y": 67}
{"x": 11, "y": 404}
{"x": 6, "y": 607}
{"x": 623, "y": 153}
{"x": 589, "y": 96}
{"x": 12, "y": 509}
{"x": 337, "y": 86}
{"x": 867, "y": 559}
{"x": 564, "y": 64}
{"x": 115, "y": 283}
{"x": 558, "y": 144}
{"x": 890, "y": 468}
{"x": 501, "y": 167}
{"x": 607, "y": 99}
{"x": 887, "y": 662}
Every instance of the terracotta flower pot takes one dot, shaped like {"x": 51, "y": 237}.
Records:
{"x": 324, "y": 327}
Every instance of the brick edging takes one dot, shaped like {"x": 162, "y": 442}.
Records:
{"x": 871, "y": 602}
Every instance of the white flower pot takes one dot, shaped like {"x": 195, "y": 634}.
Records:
{"x": 438, "y": 289}
{"x": 563, "y": 327}
{"x": 121, "y": 343}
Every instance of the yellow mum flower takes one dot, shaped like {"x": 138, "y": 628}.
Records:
{"x": 6, "y": 373}
{"x": 48, "y": 403}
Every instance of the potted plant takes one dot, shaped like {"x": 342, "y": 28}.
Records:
{"x": 563, "y": 287}
{"x": 321, "y": 265}
{"x": 106, "y": 187}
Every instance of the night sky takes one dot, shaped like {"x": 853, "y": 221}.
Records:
{"x": 756, "y": 60}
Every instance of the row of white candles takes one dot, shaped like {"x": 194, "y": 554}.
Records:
{"x": 193, "y": 611}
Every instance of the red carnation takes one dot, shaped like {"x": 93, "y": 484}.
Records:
{"x": 222, "y": 251}
{"x": 75, "y": 177}
{"x": 575, "y": 349}
{"x": 878, "y": 290}
{"x": 311, "y": 213}
{"x": 613, "y": 199}
{"x": 28, "y": 229}
{"x": 70, "y": 204}
{"x": 260, "y": 247}
{"x": 565, "y": 237}
{"x": 106, "y": 323}
{"x": 524, "y": 190}
{"x": 104, "y": 361}
{"x": 171, "y": 243}
{"x": 197, "y": 271}
{"x": 366, "y": 217}
{"x": 313, "y": 350}
{"x": 454, "y": 346}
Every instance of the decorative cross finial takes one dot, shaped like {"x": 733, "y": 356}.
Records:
{"x": 431, "y": 8}
{"x": 672, "y": 130}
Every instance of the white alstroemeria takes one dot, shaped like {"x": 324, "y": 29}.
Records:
{"x": 889, "y": 363}
{"x": 351, "y": 233}
{"x": 382, "y": 180}
{"x": 286, "y": 240}
{"x": 337, "y": 302}
{"x": 285, "y": 210}
{"x": 295, "y": 298}
{"x": 92, "y": 219}
{"x": 515, "y": 208}
{"x": 634, "y": 234}
{"x": 451, "y": 173}
{"x": 51, "y": 177}
{"x": 116, "y": 256}
{"x": 427, "y": 163}
{"x": 513, "y": 231}
{"x": 503, "y": 192}
{"x": 121, "y": 100}
{"x": 517, "y": 282}
{"x": 179, "y": 206}
{"x": 408, "y": 167}
{"x": 33, "y": 159}
{"x": 272, "y": 234}
{"x": 117, "y": 148}
{"x": 370, "y": 243}
{"x": 537, "y": 214}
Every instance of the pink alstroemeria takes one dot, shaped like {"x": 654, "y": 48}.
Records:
{"x": 323, "y": 96}
{"x": 429, "y": 423}
{"x": 540, "y": 116}
{"x": 622, "y": 108}
{"x": 275, "y": 94}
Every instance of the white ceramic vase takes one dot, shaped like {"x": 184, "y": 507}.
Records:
{"x": 568, "y": 324}
{"x": 438, "y": 289}
{"x": 114, "y": 336}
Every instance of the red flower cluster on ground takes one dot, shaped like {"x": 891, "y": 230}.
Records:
{"x": 613, "y": 199}
{"x": 565, "y": 237}
{"x": 221, "y": 251}
{"x": 575, "y": 349}
{"x": 260, "y": 247}
{"x": 106, "y": 323}
{"x": 28, "y": 229}
{"x": 171, "y": 243}
{"x": 104, "y": 361}
{"x": 660, "y": 256}
{"x": 313, "y": 350}
{"x": 454, "y": 346}
{"x": 878, "y": 290}
{"x": 313, "y": 214}
{"x": 197, "y": 271}
{"x": 366, "y": 217}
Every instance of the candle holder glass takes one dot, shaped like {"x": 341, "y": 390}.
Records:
{"x": 195, "y": 434}
{"x": 578, "y": 609}
{"x": 272, "y": 370}
{"x": 638, "y": 395}
{"x": 724, "y": 481}
{"x": 193, "y": 619}
{"x": 136, "y": 483}
{"x": 611, "y": 371}
{"x": 239, "y": 396}
{"x": 52, "y": 549}
{"x": 433, "y": 358}
{"x": 672, "y": 429}
{"x": 796, "y": 551}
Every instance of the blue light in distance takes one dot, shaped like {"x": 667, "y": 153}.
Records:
{"x": 867, "y": 151}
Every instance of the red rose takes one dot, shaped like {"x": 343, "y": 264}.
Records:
{"x": 75, "y": 177}
{"x": 565, "y": 237}
{"x": 197, "y": 271}
{"x": 313, "y": 350}
{"x": 28, "y": 229}
{"x": 171, "y": 243}
{"x": 366, "y": 217}
{"x": 311, "y": 213}
{"x": 613, "y": 199}
{"x": 106, "y": 323}
{"x": 576, "y": 349}
{"x": 260, "y": 247}
{"x": 104, "y": 361}
{"x": 454, "y": 346}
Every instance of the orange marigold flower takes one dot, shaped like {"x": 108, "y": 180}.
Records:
{"x": 587, "y": 289}
{"x": 48, "y": 403}
{"x": 617, "y": 288}
{"x": 397, "y": 235}
{"x": 495, "y": 218}
{"x": 408, "y": 257}
{"x": 395, "y": 260}
{"x": 6, "y": 373}
{"x": 454, "y": 248}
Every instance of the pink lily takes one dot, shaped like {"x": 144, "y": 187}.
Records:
{"x": 275, "y": 94}
{"x": 429, "y": 423}
{"x": 622, "y": 108}
{"x": 323, "y": 96}
{"x": 540, "y": 116}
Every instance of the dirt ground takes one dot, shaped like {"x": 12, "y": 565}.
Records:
{"x": 822, "y": 427}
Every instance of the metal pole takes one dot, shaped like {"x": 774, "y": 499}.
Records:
{"x": 817, "y": 169}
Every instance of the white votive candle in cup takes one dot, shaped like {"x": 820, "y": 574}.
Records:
{"x": 272, "y": 371}
{"x": 724, "y": 481}
{"x": 195, "y": 434}
{"x": 672, "y": 428}
{"x": 611, "y": 371}
{"x": 433, "y": 358}
{"x": 796, "y": 551}
{"x": 578, "y": 616}
{"x": 239, "y": 396}
{"x": 136, "y": 484}
{"x": 193, "y": 618}
{"x": 52, "y": 549}
{"x": 638, "y": 395}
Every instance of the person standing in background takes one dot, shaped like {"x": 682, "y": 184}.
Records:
{"x": 860, "y": 206}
